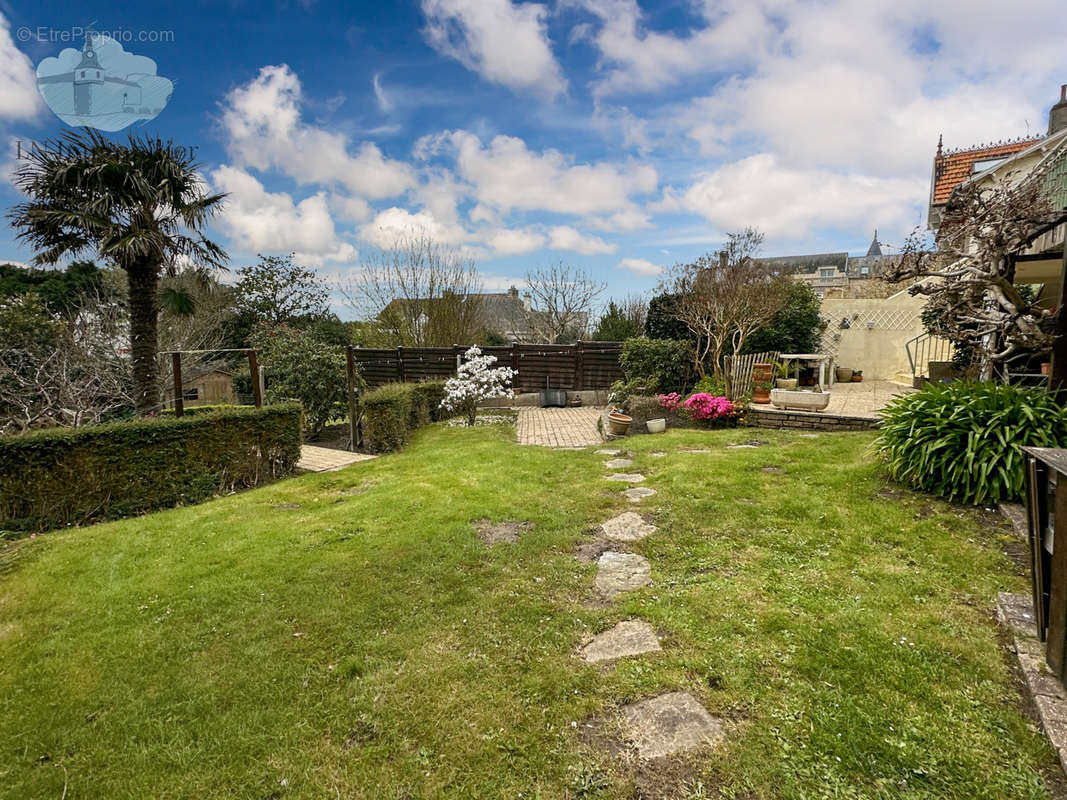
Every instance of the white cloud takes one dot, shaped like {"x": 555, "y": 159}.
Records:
{"x": 394, "y": 224}
{"x": 640, "y": 266}
{"x": 508, "y": 242}
{"x": 19, "y": 98}
{"x": 264, "y": 130}
{"x": 507, "y": 176}
{"x": 502, "y": 41}
{"x": 784, "y": 201}
{"x": 636, "y": 59}
{"x": 563, "y": 237}
{"x": 259, "y": 221}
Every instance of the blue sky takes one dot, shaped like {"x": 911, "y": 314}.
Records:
{"x": 619, "y": 136}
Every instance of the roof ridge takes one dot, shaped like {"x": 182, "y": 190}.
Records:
{"x": 954, "y": 151}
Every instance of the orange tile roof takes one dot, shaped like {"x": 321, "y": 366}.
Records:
{"x": 955, "y": 166}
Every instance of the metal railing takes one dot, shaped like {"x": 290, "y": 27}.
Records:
{"x": 925, "y": 348}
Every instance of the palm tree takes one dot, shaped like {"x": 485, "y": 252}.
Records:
{"x": 140, "y": 206}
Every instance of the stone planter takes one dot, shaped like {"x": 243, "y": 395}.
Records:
{"x": 796, "y": 400}
{"x": 553, "y": 398}
{"x": 843, "y": 374}
{"x": 656, "y": 425}
{"x": 786, "y": 383}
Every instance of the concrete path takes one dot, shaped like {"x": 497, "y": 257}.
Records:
{"x": 559, "y": 427}
{"x": 326, "y": 459}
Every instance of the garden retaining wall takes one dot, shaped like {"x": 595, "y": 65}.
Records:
{"x": 806, "y": 420}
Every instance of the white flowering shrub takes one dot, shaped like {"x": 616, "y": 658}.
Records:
{"x": 476, "y": 380}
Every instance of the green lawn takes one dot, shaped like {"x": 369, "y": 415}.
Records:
{"x": 347, "y": 634}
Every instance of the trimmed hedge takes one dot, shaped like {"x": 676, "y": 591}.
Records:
{"x": 393, "y": 410}
{"x": 65, "y": 476}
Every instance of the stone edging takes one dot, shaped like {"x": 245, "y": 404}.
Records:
{"x": 807, "y": 420}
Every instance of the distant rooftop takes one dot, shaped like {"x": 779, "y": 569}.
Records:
{"x": 953, "y": 167}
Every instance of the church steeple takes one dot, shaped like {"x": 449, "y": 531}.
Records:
{"x": 875, "y": 249}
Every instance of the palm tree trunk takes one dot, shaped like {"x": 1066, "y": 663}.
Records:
{"x": 144, "y": 334}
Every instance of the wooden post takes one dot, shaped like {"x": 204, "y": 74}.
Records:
{"x": 579, "y": 365}
{"x": 253, "y": 370}
{"x": 400, "y": 363}
{"x": 1058, "y": 378}
{"x": 179, "y": 401}
{"x": 516, "y": 384}
{"x": 353, "y": 400}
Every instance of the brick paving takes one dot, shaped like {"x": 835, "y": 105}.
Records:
{"x": 325, "y": 459}
{"x": 559, "y": 427}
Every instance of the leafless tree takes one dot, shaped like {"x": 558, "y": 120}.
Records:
{"x": 561, "y": 300}
{"x": 968, "y": 273}
{"x": 724, "y": 297}
{"x": 67, "y": 370}
{"x": 419, "y": 293}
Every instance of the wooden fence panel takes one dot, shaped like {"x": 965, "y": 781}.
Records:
{"x": 588, "y": 365}
{"x": 739, "y": 370}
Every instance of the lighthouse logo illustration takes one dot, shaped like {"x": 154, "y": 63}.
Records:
{"x": 102, "y": 86}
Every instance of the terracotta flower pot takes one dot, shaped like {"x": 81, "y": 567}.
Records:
{"x": 618, "y": 423}
{"x": 1046, "y": 368}
{"x": 761, "y": 395}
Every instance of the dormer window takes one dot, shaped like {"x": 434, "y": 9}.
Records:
{"x": 984, "y": 164}
{"x": 827, "y": 272}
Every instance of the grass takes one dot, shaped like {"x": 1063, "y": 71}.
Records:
{"x": 347, "y": 634}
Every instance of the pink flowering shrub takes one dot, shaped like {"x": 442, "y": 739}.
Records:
{"x": 702, "y": 406}
{"x": 672, "y": 402}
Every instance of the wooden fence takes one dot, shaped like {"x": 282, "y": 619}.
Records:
{"x": 584, "y": 365}
{"x": 739, "y": 371}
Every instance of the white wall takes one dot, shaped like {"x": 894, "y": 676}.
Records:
{"x": 877, "y": 332}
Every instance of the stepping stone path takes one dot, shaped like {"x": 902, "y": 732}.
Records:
{"x": 621, "y": 572}
{"x": 624, "y": 477}
{"x": 673, "y": 722}
{"x": 638, "y": 493}
{"x": 627, "y": 527}
{"x": 670, "y": 723}
{"x": 658, "y": 454}
{"x": 754, "y": 443}
{"x": 631, "y": 637}
{"x": 774, "y": 470}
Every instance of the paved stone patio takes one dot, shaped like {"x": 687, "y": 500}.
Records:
{"x": 326, "y": 459}
{"x": 559, "y": 427}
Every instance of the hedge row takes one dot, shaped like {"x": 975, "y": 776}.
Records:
{"x": 64, "y": 476}
{"x": 393, "y": 410}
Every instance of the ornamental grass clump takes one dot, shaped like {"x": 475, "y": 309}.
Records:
{"x": 964, "y": 440}
{"x": 476, "y": 380}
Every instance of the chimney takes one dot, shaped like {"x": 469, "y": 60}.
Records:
{"x": 1057, "y": 117}
{"x": 526, "y": 300}
{"x": 513, "y": 292}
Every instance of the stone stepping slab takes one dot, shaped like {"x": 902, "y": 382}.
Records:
{"x": 624, "y": 477}
{"x": 621, "y": 572}
{"x": 609, "y": 452}
{"x": 670, "y": 723}
{"x": 630, "y": 637}
{"x": 627, "y": 527}
{"x": 636, "y": 494}
{"x": 619, "y": 463}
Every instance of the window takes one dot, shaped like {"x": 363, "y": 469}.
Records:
{"x": 865, "y": 270}
{"x": 984, "y": 164}
{"x": 191, "y": 394}
{"x": 827, "y": 272}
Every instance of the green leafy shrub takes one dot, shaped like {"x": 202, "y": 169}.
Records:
{"x": 64, "y": 476}
{"x": 963, "y": 440}
{"x": 387, "y": 416}
{"x": 429, "y": 395}
{"x": 665, "y": 365}
{"x": 299, "y": 366}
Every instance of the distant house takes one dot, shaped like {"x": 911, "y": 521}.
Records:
{"x": 205, "y": 386}
{"x": 506, "y": 314}
{"x": 838, "y": 274}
